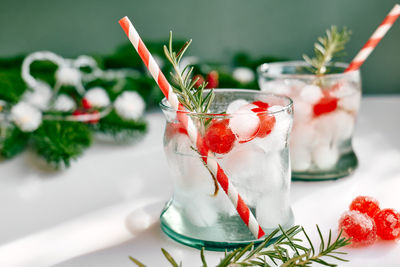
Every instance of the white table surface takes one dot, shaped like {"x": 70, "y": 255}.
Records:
{"x": 106, "y": 206}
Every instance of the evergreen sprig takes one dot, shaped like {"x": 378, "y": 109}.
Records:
{"x": 119, "y": 129}
{"x": 286, "y": 251}
{"x": 328, "y": 47}
{"x": 12, "y": 140}
{"x": 59, "y": 142}
{"x": 189, "y": 96}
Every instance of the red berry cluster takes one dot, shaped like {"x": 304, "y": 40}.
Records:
{"x": 366, "y": 221}
{"x": 212, "y": 79}
{"x": 86, "y": 110}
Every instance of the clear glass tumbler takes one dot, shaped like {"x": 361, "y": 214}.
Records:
{"x": 256, "y": 160}
{"x": 325, "y": 110}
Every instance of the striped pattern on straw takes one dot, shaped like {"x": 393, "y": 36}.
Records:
{"x": 373, "y": 41}
{"x": 242, "y": 209}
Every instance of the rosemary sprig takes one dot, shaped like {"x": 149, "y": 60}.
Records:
{"x": 328, "y": 47}
{"x": 286, "y": 251}
{"x": 183, "y": 85}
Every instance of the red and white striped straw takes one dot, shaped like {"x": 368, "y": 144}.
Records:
{"x": 242, "y": 209}
{"x": 373, "y": 41}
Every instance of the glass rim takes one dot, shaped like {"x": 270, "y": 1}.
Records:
{"x": 262, "y": 70}
{"x": 165, "y": 106}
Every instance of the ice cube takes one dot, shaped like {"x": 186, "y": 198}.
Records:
{"x": 244, "y": 124}
{"x": 223, "y": 203}
{"x": 300, "y": 158}
{"x": 277, "y": 87}
{"x": 200, "y": 211}
{"x": 344, "y": 125}
{"x": 302, "y": 111}
{"x": 243, "y": 167}
{"x": 304, "y": 135}
{"x": 190, "y": 174}
{"x": 310, "y": 94}
{"x": 272, "y": 168}
{"x": 349, "y": 97}
{"x": 273, "y": 209}
{"x": 325, "y": 156}
{"x": 277, "y": 139}
{"x": 235, "y": 105}
{"x": 351, "y": 102}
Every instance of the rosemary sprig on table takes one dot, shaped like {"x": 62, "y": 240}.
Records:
{"x": 286, "y": 251}
{"x": 328, "y": 47}
{"x": 189, "y": 96}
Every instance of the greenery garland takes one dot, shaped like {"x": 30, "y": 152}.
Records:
{"x": 60, "y": 142}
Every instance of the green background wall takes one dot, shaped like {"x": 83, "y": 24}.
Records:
{"x": 218, "y": 28}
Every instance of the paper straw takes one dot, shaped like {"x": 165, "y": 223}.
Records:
{"x": 242, "y": 209}
{"x": 373, "y": 41}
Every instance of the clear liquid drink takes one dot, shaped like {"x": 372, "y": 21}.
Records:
{"x": 250, "y": 144}
{"x": 325, "y": 110}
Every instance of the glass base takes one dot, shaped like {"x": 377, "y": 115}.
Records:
{"x": 345, "y": 166}
{"x": 230, "y": 234}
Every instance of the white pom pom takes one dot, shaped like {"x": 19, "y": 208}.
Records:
{"x": 187, "y": 61}
{"x": 300, "y": 158}
{"x": 325, "y": 156}
{"x": 39, "y": 96}
{"x": 244, "y": 123}
{"x": 243, "y": 75}
{"x": 311, "y": 94}
{"x": 64, "y": 103}
{"x": 97, "y": 97}
{"x": 68, "y": 76}
{"x": 235, "y": 105}
{"x": 129, "y": 105}
{"x": 26, "y": 116}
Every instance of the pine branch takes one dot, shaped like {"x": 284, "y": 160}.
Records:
{"x": 286, "y": 251}
{"x": 327, "y": 48}
{"x": 14, "y": 141}
{"x": 190, "y": 97}
{"x": 121, "y": 130}
{"x": 59, "y": 142}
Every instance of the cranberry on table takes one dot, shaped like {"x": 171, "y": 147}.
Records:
{"x": 365, "y": 204}
{"x": 388, "y": 224}
{"x": 358, "y": 226}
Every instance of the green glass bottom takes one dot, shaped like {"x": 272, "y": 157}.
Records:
{"x": 345, "y": 166}
{"x": 227, "y": 234}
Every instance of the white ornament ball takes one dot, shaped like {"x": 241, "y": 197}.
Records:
{"x": 129, "y": 105}
{"x": 97, "y": 97}
{"x": 39, "y": 96}
{"x": 64, "y": 103}
{"x": 26, "y": 116}
{"x": 243, "y": 75}
{"x": 68, "y": 76}
{"x": 325, "y": 156}
{"x": 311, "y": 94}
